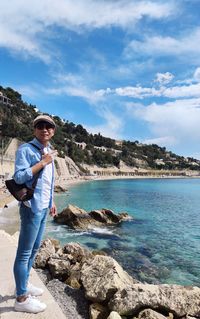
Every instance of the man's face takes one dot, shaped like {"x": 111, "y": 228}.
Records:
{"x": 44, "y": 131}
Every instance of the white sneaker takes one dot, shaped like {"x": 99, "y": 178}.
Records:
{"x": 31, "y": 304}
{"x": 34, "y": 291}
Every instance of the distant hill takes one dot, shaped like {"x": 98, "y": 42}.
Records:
{"x": 74, "y": 141}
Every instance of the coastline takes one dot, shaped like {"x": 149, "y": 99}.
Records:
{"x": 8, "y": 200}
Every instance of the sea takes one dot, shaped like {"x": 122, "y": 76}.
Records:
{"x": 161, "y": 244}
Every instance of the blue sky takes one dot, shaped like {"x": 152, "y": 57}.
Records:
{"x": 127, "y": 69}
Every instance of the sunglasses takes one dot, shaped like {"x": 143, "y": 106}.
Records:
{"x": 44, "y": 125}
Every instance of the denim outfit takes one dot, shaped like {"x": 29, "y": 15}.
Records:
{"x": 33, "y": 218}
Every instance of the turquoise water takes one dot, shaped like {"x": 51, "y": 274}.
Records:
{"x": 162, "y": 242}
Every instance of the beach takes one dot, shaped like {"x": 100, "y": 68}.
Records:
{"x": 149, "y": 247}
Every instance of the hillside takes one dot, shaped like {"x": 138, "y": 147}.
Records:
{"x": 82, "y": 147}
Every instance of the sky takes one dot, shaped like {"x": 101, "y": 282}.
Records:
{"x": 127, "y": 69}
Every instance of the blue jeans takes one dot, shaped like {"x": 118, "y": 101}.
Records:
{"x": 31, "y": 232}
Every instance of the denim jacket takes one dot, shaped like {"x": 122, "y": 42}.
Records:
{"x": 27, "y": 156}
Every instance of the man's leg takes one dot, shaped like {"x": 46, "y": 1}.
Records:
{"x": 30, "y": 225}
{"x": 38, "y": 240}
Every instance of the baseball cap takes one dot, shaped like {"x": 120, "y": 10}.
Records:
{"x": 43, "y": 118}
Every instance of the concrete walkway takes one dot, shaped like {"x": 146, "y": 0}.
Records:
{"x": 7, "y": 254}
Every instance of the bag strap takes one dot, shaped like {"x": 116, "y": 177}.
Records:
{"x": 36, "y": 175}
{"x": 39, "y": 149}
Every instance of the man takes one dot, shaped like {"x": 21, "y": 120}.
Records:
{"x": 33, "y": 158}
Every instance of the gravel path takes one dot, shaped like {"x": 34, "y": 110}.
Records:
{"x": 71, "y": 301}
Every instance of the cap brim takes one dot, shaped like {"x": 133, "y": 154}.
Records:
{"x": 43, "y": 120}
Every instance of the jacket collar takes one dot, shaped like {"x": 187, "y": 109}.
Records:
{"x": 40, "y": 145}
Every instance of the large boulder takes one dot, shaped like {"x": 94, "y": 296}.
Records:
{"x": 67, "y": 262}
{"x": 179, "y": 300}
{"x": 77, "y": 252}
{"x": 98, "y": 216}
{"x": 111, "y": 216}
{"x": 74, "y": 217}
{"x": 47, "y": 249}
{"x": 59, "y": 268}
{"x": 102, "y": 276}
{"x": 78, "y": 218}
{"x": 59, "y": 189}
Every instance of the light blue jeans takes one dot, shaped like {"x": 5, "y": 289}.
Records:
{"x": 31, "y": 232}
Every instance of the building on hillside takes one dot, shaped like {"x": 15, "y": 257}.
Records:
{"x": 118, "y": 142}
{"x": 116, "y": 152}
{"x": 4, "y": 99}
{"x": 101, "y": 148}
{"x": 81, "y": 145}
{"x": 159, "y": 161}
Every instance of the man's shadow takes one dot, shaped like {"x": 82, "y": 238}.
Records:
{"x": 5, "y": 299}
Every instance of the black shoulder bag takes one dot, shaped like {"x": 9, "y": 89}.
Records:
{"x": 20, "y": 191}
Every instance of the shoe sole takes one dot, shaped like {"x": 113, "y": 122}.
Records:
{"x": 28, "y": 311}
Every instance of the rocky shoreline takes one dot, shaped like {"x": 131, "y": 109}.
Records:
{"x": 78, "y": 218}
{"x": 90, "y": 284}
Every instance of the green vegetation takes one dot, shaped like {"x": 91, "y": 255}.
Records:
{"x": 74, "y": 141}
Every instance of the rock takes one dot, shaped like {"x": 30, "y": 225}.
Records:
{"x": 77, "y": 252}
{"x": 125, "y": 216}
{"x": 73, "y": 282}
{"x": 59, "y": 268}
{"x": 67, "y": 262}
{"x": 99, "y": 252}
{"x": 74, "y": 217}
{"x": 55, "y": 243}
{"x": 112, "y": 217}
{"x": 98, "y": 216}
{"x": 98, "y": 311}
{"x": 59, "y": 189}
{"x": 150, "y": 314}
{"x": 102, "y": 277}
{"x": 114, "y": 315}
{"x": 178, "y": 300}
{"x": 46, "y": 250}
{"x": 78, "y": 218}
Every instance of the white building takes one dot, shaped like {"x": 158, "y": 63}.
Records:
{"x": 4, "y": 99}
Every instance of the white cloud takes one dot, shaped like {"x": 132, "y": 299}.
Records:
{"x": 182, "y": 46}
{"x": 192, "y": 90}
{"x": 22, "y": 43}
{"x": 73, "y": 85}
{"x": 164, "y": 78}
{"x": 30, "y": 91}
{"x": 194, "y": 79}
{"x": 181, "y": 91}
{"x": 162, "y": 141}
{"x": 173, "y": 122}
{"x": 197, "y": 74}
{"x": 80, "y": 91}
{"x": 137, "y": 92}
{"x": 112, "y": 125}
{"x": 27, "y": 28}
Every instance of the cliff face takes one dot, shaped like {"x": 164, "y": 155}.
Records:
{"x": 66, "y": 169}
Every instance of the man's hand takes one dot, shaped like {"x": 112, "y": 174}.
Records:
{"x": 53, "y": 211}
{"x": 49, "y": 157}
